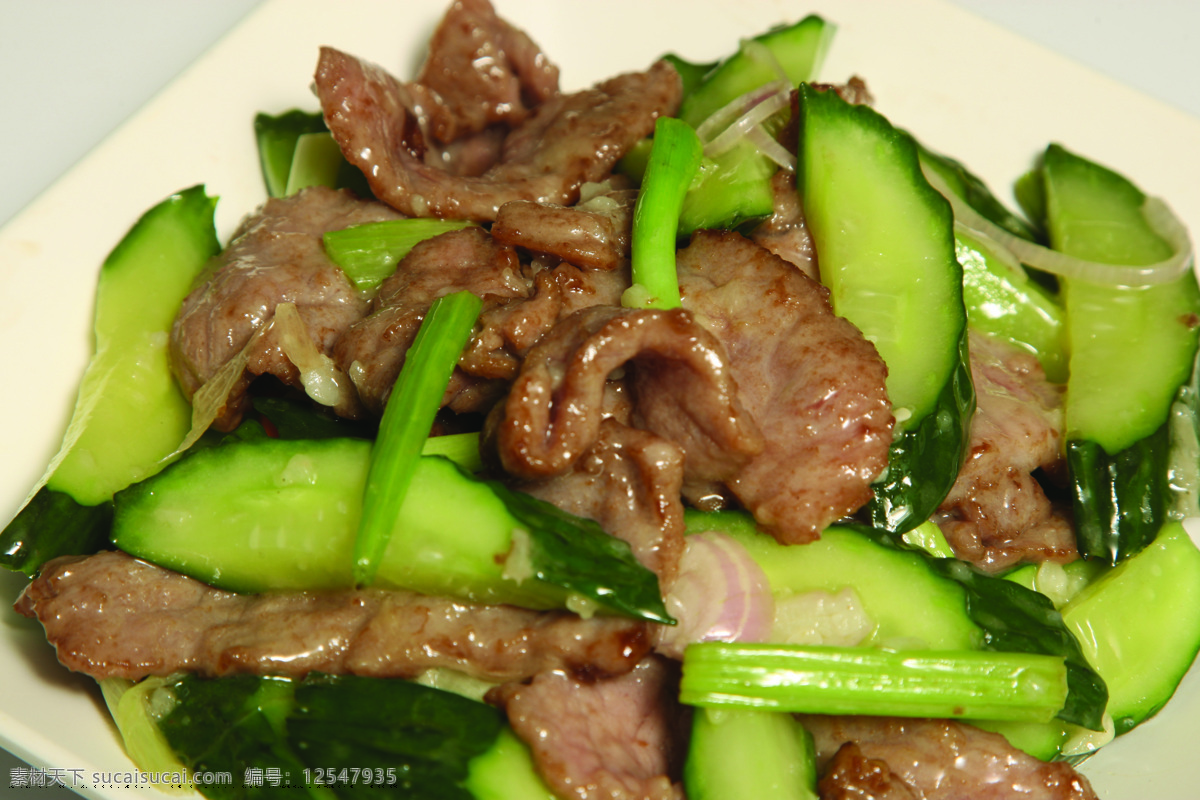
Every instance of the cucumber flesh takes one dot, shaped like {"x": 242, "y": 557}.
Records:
{"x": 268, "y": 514}
{"x": 1139, "y": 625}
{"x": 130, "y": 415}
{"x": 739, "y": 753}
{"x": 1131, "y": 350}
{"x": 885, "y": 246}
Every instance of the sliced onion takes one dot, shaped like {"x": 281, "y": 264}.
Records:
{"x": 771, "y": 148}
{"x": 735, "y": 110}
{"x": 719, "y": 594}
{"x": 1158, "y": 216}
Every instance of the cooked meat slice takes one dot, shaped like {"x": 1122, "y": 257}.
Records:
{"x": 591, "y": 236}
{"x": 629, "y": 482}
{"x": 614, "y": 739}
{"x": 372, "y": 350}
{"x": 275, "y": 257}
{"x": 110, "y": 615}
{"x": 852, "y": 776}
{"x": 997, "y": 514}
{"x": 785, "y": 233}
{"x": 681, "y": 384}
{"x": 946, "y": 759}
{"x": 480, "y": 71}
{"x": 808, "y": 378}
{"x": 565, "y": 142}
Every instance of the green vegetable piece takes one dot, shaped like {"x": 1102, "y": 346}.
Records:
{"x": 343, "y": 736}
{"x": 673, "y": 162}
{"x": 277, "y": 137}
{"x": 737, "y": 753}
{"x": 317, "y": 161}
{"x": 130, "y": 415}
{"x": 270, "y": 514}
{"x": 885, "y": 242}
{"x": 691, "y": 73}
{"x": 369, "y": 253}
{"x": 506, "y": 772}
{"x": 407, "y": 419}
{"x": 960, "y": 684}
{"x": 290, "y": 420}
{"x": 1139, "y": 625}
{"x": 134, "y": 708}
{"x": 1132, "y": 348}
{"x": 50, "y": 525}
{"x": 734, "y": 188}
{"x": 918, "y": 601}
{"x": 1004, "y": 302}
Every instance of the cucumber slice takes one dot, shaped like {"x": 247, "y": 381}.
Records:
{"x": 1131, "y": 350}
{"x": 739, "y": 753}
{"x": 1139, "y": 625}
{"x": 885, "y": 245}
{"x": 269, "y": 514}
{"x": 734, "y": 188}
{"x": 130, "y": 415}
{"x": 1004, "y": 302}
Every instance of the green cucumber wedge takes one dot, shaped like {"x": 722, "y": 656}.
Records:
{"x": 885, "y": 248}
{"x": 270, "y": 514}
{"x": 737, "y": 753}
{"x": 130, "y": 415}
{"x": 1132, "y": 348}
{"x": 1139, "y": 625}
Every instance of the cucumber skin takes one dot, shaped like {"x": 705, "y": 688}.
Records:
{"x": 130, "y": 415}
{"x": 929, "y": 448}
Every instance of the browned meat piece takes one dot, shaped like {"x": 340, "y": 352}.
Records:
{"x": 852, "y": 776}
{"x": 808, "y": 378}
{"x": 946, "y": 760}
{"x": 480, "y": 71}
{"x": 997, "y": 514}
{"x": 372, "y": 350}
{"x": 275, "y": 257}
{"x": 785, "y": 233}
{"x": 629, "y": 482}
{"x": 591, "y": 236}
{"x": 681, "y": 384}
{"x": 567, "y": 141}
{"x": 615, "y": 739}
{"x": 110, "y": 615}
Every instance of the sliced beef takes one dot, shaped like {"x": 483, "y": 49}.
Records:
{"x": 629, "y": 482}
{"x": 852, "y": 776}
{"x": 372, "y": 350}
{"x": 481, "y": 71}
{"x": 808, "y": 378}
{"x": 111, "y": 615}
{"x": 785, "y": 233}
{"x": 567, "y": 141}
{"x": 997, "y": 514}
{"x": 593, "y": 236}
{"x": 275, "y": 257}
{"x": 681, "y": 385}
{"x": 615, "y": 739}
{"x": 936, "y": 760}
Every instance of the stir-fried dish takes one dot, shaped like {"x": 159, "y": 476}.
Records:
{"x": 698, "y": 434}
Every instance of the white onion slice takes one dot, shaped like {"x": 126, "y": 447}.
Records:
{"x": 755, "y": 116}
{"x": 736, "y": 108}
{"x": 1158, "y": 215}
{"x": 771, "y": 148}
{"x": 719, "y": 594}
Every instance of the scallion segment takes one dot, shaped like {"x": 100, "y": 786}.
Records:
{"x": 964, "y": 684}
{"x": 674, "y": 159}
{"x": 368, "y": 253}
{"x": 409, "y": 415}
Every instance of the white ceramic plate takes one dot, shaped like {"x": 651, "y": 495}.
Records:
{"x": 962, "y": 85}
